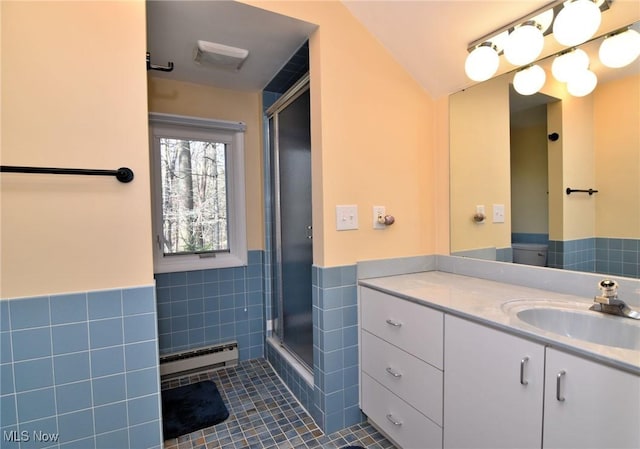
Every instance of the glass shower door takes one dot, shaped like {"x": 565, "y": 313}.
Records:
{"x": 290, "y": 135}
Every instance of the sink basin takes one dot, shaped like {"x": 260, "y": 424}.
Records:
{"x": 575, "y": 320}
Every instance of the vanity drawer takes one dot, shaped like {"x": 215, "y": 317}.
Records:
{"x": 414, "y": 328}
{"x": 402, "y": 423}
{"x": 415, "y": 381}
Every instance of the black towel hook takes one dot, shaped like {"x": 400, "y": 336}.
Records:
{"x": 150, "y": 66}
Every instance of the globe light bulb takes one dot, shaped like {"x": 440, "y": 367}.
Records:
{"x": 576, "y": 22}
{"x": 582, "y": 83}
{"x": 482, "y": 63}
{"x": 530, "y": 80}
{"x": 620, "y": 49}
{"x": 524, "y": 44}
{"x": 566, "y": 64}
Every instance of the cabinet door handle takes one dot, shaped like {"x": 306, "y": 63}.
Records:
{"x": 393, "y": 421}
{"x": 523, "y": 362}
{"x": 393, "y": 372}
{"x": 393, "y": 323}
{"x": 559, "y": 377}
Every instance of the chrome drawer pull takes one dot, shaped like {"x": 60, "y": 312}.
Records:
{"x": 393, "y": 373}
{"x": 559, "y": 396}
{"x": 393, "y": 323}
{"x": 523, "y": 362}
{"x": 393, "y": 421}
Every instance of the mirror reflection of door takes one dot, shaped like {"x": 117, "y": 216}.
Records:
{"x": 529, "y": 177}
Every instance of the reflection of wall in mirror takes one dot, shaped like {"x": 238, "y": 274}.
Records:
{"x": 599, "y": 147}
{"x": 617, "y": 144}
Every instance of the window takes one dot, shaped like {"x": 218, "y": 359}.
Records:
{"x": 198, "y": 193}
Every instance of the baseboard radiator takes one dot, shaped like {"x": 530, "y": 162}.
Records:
{"x": 199, "y": 360}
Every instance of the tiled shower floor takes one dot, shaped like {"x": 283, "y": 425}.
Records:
{"x": 264, "y": 414}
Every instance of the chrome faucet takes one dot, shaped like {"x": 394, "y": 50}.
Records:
{"x": 608, "y": 302}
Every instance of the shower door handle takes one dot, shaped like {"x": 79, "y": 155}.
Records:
{"x": 309, "y": 232}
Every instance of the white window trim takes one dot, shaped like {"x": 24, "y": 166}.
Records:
{"x": 194, "y": 127}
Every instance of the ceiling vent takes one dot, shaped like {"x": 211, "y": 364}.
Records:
{"x": 219, "y": 55}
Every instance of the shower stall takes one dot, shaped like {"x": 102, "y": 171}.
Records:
{"x": 292, "y": 251}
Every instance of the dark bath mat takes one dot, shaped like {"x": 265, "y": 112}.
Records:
{"x": 191, "y": 407}
{"x": 353, "y": 447}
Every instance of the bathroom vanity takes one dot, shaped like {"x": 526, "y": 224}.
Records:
{"x": 451, "y": 361}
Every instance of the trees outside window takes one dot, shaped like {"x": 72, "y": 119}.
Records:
{"x": 199, "y": 219}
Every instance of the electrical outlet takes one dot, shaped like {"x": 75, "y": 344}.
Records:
{"x": 378, "y": 211}
{"x": 346, "y": 217}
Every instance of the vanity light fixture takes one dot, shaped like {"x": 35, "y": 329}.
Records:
{"x": 525, "y": 37}
{"x": 620, "y": 49}
{"x": 482, "y": 63}
{"x": 524, "y": 44}
{"x": 577, "y": 22}
{"x": 529, "y": 80}
{"x": 567, "y": 63}
{"x": 582, "y": 83}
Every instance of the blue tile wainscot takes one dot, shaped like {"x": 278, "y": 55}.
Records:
{"x": 80, "y": 370}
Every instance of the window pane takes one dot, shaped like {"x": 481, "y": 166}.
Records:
{"x": 194, "y": 196}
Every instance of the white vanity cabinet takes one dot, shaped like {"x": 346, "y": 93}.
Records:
{"x": 587, "y": 404}
{"x": 493, "y": 388}
{"x": 401, "y": 368}
{"x": 433, "y": 379}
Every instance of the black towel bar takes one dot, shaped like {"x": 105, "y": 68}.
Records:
{"x": 590, "y": 191}
{"x": 122, "y": 174}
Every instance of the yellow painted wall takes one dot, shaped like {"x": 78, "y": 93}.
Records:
{"x": 617, "y": 158}
{"x": 529, "y": 179}
{"x": 74, "y": 95}
{"x": 441, "y": 177}
{"x": 578, "y": 167}
{"x": 556, "y": 167}
{"x": 175, "y": 97}
{"x": 479, "y": 161}
{"x": 373, "y": 139}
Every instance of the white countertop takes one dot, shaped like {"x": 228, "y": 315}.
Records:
{"x": 482, "y": 301}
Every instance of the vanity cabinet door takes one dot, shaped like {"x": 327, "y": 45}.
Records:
{"x": 492, "y": 388}
{"x": 589, "y": 405}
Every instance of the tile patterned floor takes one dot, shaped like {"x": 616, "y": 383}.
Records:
{"x": 264, "y": 414}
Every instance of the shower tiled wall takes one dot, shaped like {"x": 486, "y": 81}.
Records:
{"x": 207, "y": 307}
{"x": 335, "y": 350}
{"x": 333, "y": 398}
{"x": 80, "y": 369}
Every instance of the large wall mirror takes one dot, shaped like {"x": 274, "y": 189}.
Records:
{"x": 513, "y": 158}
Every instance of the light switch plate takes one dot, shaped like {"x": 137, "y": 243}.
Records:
{"x": 346, "y": 217}
{"x": 498, "y": 213}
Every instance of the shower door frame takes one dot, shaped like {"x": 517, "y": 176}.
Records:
{"x": 299, "y": 88}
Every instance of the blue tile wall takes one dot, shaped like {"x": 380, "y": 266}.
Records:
{"x": 335, "y": 327}
{"x": 333, "y": 400}
{"x": 208, "y": 307}
{"x": 82, "y": 369}
{"x": 618, "y": 256}
{"x": 578, "y": 255}
{"x": 528, "y": 237}
{"x": 296, "y": 383}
